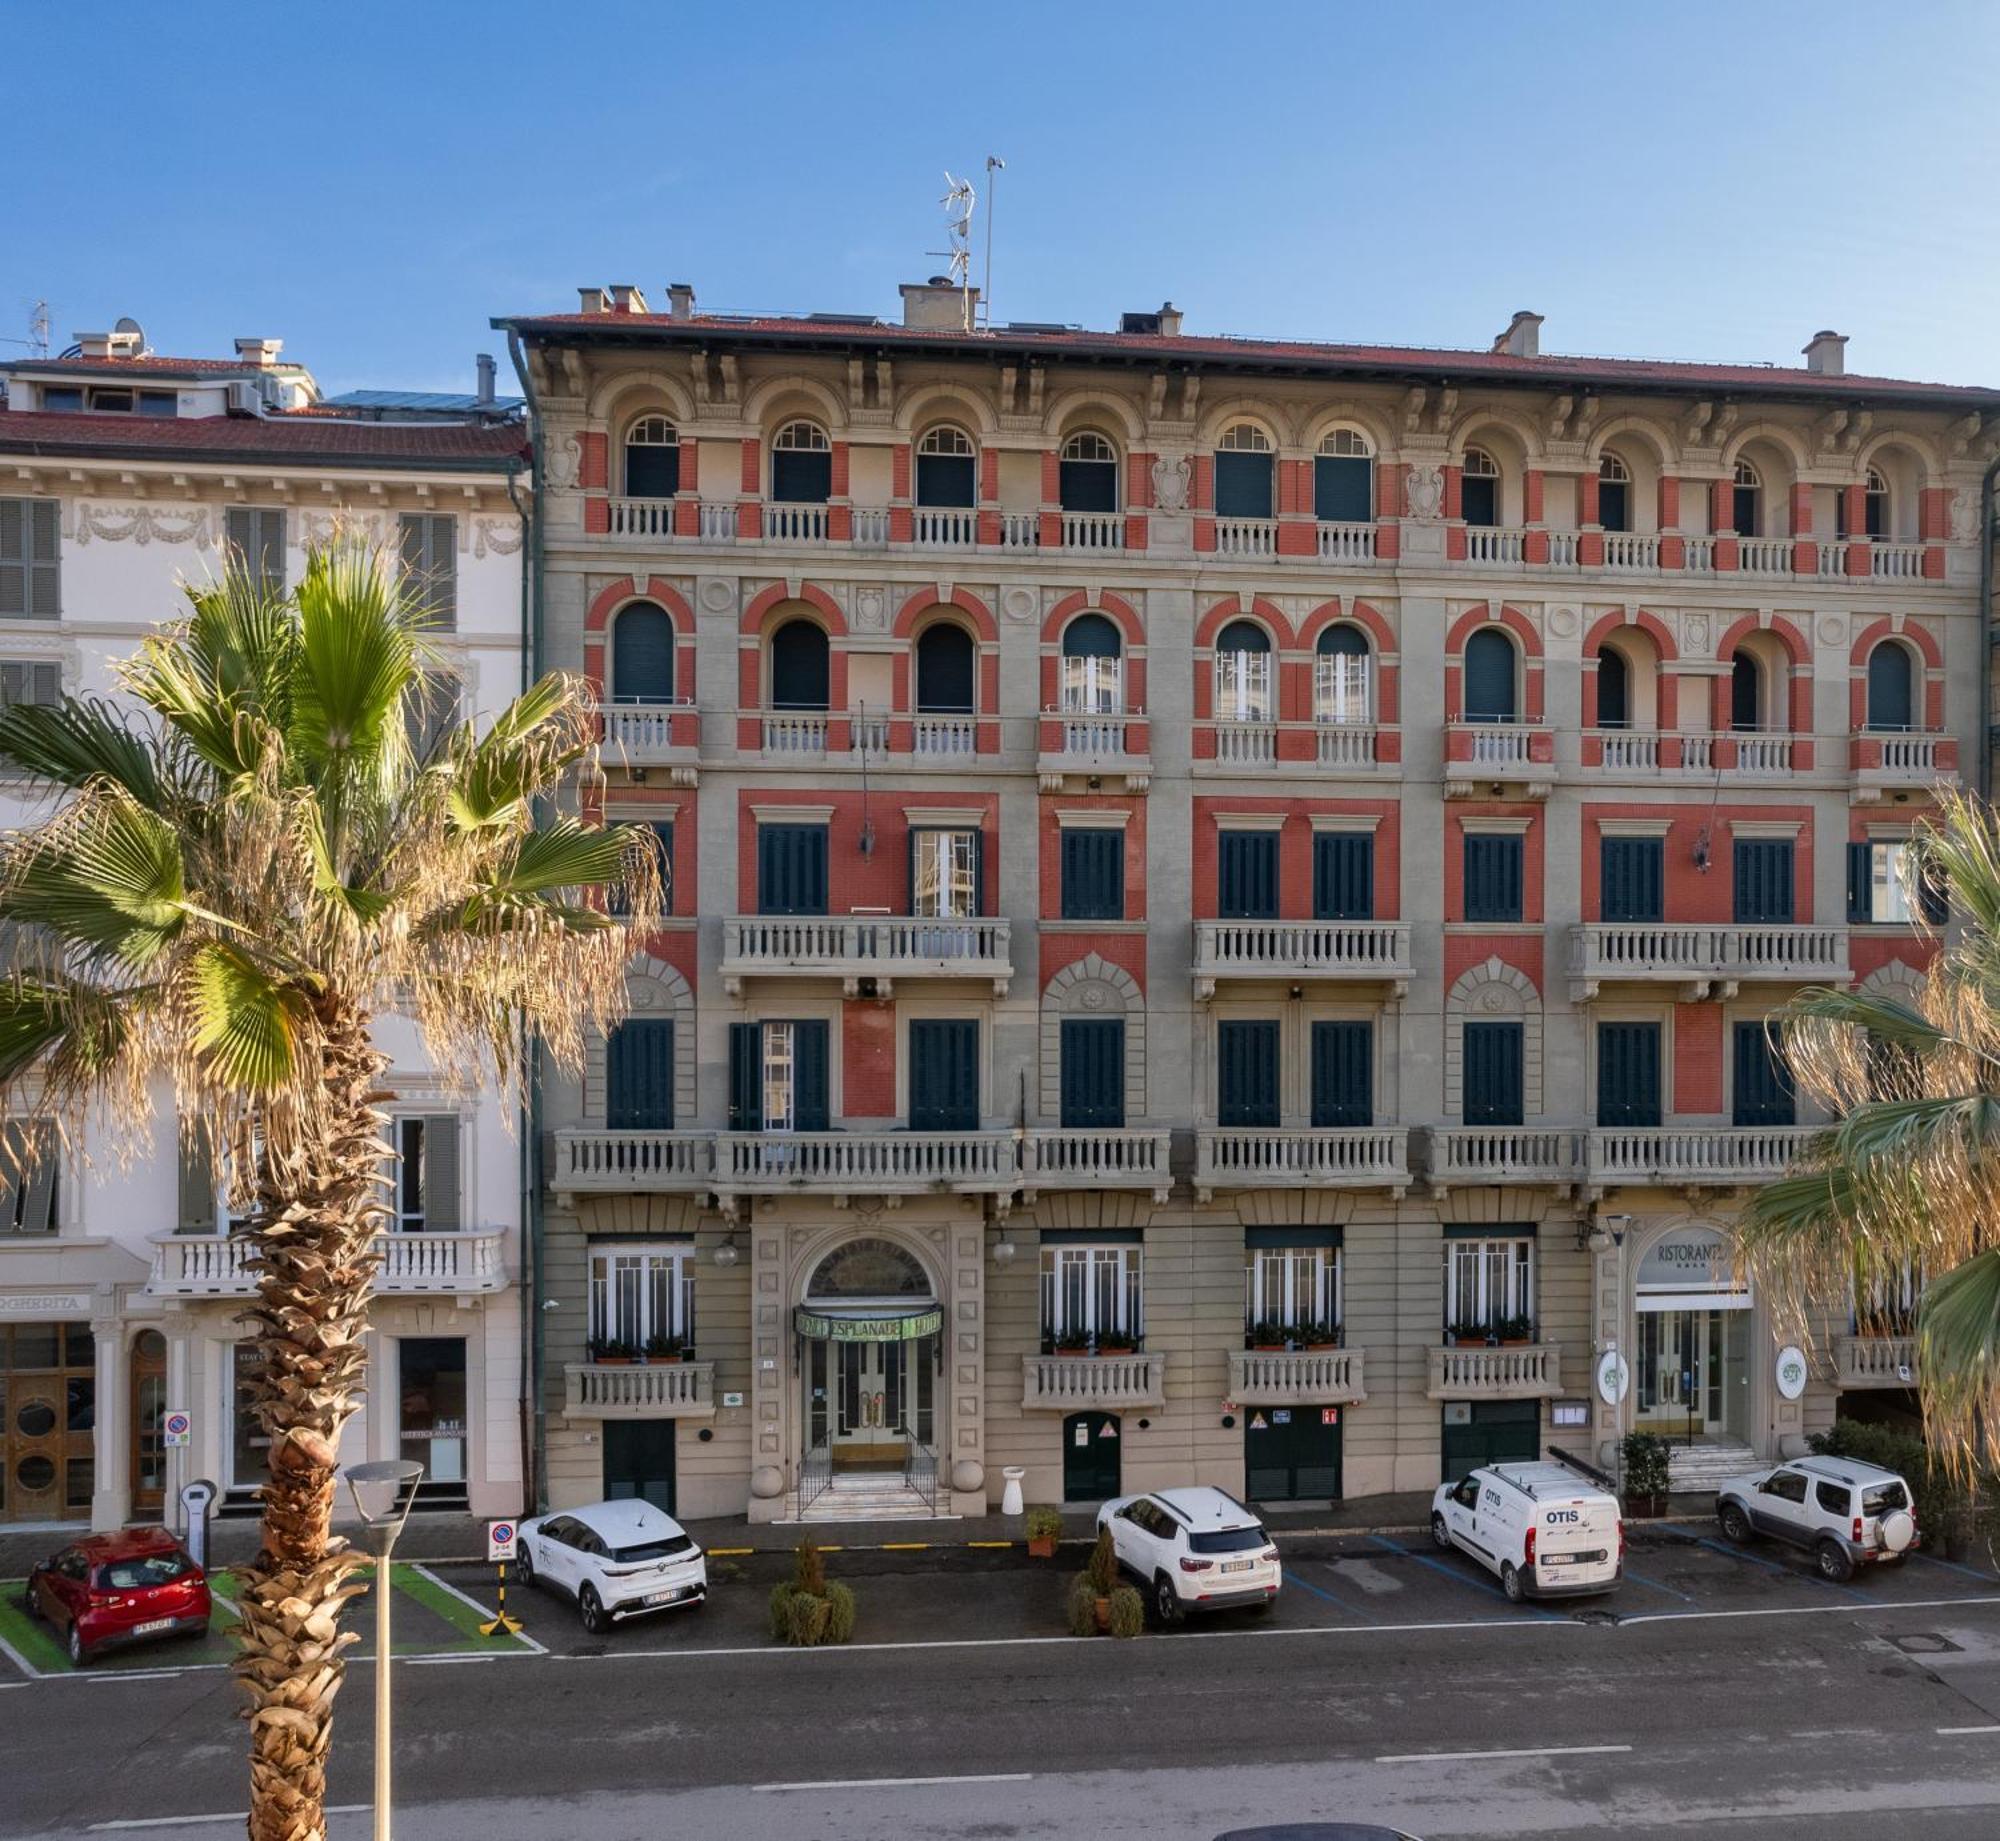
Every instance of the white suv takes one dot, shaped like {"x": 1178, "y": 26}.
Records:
{"x": 616, "y": 1559}
{"x": 1193, "y": 1550}
{"x": 1849, "y": 1513}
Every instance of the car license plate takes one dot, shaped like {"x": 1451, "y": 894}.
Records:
{"x": 1237, "y": 1566}
{"x": 154, "y": 1627}
{"x": 666, "y": 1597}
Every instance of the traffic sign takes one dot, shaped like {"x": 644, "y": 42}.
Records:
{"x": 176, "y": 1429}
{"x": 500, "y": 1540}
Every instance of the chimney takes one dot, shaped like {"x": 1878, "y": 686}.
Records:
{"x": 263, "y": 353}
{"x": 94, "y": 344}
{"x": 591, "y": 300}
{"x": 126, "y": 344}
{"x": 1170, "y": 319}
{"x": 485, "y": 394}
{"x": 1523, "y": 337}
{"x": 939, "y": 305}
{"x": 625, "y": 298}
{"x": 1826, "y": 353}
{"x": 680, "y": 300}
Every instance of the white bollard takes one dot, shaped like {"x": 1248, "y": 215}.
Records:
{"x": 1010, "y": 1497}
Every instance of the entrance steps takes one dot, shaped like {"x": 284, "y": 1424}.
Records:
{"x": 1696, "y": 1469}
{"x": 860, "y": 1496}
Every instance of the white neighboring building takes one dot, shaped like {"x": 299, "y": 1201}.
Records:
{"x": 124, "y": 474}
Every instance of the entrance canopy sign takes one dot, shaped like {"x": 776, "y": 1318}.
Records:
{"x": 876, "y": 1326}
{"x": 1691, "y": 1268}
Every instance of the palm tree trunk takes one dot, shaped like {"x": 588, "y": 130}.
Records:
{"x": 316, "y": 1221}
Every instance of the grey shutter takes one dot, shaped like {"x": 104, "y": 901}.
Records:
{"x": 1631, "y": 880}
{"x": 257, "y": 534}
{"x": 443, "y": 1182}
{"x": 1343, "y": 1074}
{"x": 198, "y": 1213}
{"x": 1344, "y": 876}
{"x": 791, "y": 869}
{"x": 1246, "y": 1067}
{"x": 1343, "y": 489}
{"x": 811, "y": 1103}
{"x": 1243, "y": 485}
{"x": 642, "y": 655}
{"x": 1889, "y": 701}
{"x": 1492, "y": 878}
{"x": 1246, "y": 873}
{"x": 1763, "y": 894}
{"x": 27, "y": 1178}
{"x": 1628, "y": 1074}
{"x": 746, "y": 1077}
{"x": 26, "y": 680}
{"x": 1764, "y": 1094}
{"x": 441, "y": 568}
{"x": 944, "y": 1075}
{"x": 1489, "y": 677}
{"x": 30, "y": 559}
{"x": 1493, "y": 1092}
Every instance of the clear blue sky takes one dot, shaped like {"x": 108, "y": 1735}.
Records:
{"x": 370, "y": 182}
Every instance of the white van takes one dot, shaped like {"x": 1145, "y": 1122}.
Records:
{"x": 1548, "y": 1531}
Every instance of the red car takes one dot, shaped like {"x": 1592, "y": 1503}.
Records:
{"x": 128, "y": 1587}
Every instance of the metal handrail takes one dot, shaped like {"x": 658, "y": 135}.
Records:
{"x": 919, "y": 1467}
{"x": 815, "y": 1474}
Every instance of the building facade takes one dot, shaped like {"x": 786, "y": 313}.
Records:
{"x": 1225, "y": 896}
{"x": 126, "y": 475}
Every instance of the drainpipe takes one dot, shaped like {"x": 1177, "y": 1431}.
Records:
{"x": 1986, "y": 537}
{"x": 534, "y": 1408}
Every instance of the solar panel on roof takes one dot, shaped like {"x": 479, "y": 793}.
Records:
{"x": 432, "y": 402}
{"x": 844, "y": 319}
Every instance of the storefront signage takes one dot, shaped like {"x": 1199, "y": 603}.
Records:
{"x": 894, "y": 1327}
{"x": 45, "y": 1304}
{"x": 1693, "y": 1259}
{"x": 1614, "y": 1376}
{"x": 1792, "y": 1371}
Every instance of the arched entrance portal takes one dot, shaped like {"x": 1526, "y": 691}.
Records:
{"x": 869, "y": 1332}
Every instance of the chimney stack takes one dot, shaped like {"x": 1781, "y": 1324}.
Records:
{"x": 680, "y": 300}
{"x": 263, "y": 353}
{"x": 1826, "y": 353}
{"x": 1170, "y": 319}
{"x": 625, "y": 298}
{"x": 1523, "y": 337}
{"x": 591, "y": 300}
{"x": 486, "y": 394}
{"x": 939, "y": 305}
{"x": 94, "y": 344}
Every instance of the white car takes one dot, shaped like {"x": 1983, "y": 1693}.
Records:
{"x": 616, "y": 1559}
{"x": 1546, "y": 1531}
{"x": 1849, "y": 1513}
{"x": 1193, "y": 1550}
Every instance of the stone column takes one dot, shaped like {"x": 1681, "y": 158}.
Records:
{"x": 111, "y": 1440}
{"x": 773, "y": 1461}
{"x": 962, "y": 1449}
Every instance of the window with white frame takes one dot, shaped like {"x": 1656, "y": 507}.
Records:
{"x": 641, "y": 1299}
{"x": 652, "y": 459}
{"x": 1343, "y": 686}
{"x": 1093, "y": 670}
{"x": 1243, "y": 673}
{"x": 944, "y": 874}
{"x": 1091, "y": 1294}
{"x": 425, "y": 1175}
{"x": 1614, "y": 494}
{"x": 1490, "y": 1286}
{"x": 1087, "y": 473}
{"x": 1479, "y": 488}
{"x": 1293, "y": 1289}
{"x": 780, "y": 1061}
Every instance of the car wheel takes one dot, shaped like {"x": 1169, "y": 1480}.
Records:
{"x": 1510, "y": 1582}
{"x": 1166, "y": 1601}
{"x": 1834, "y": 1563}
{"x": 524, "y": 1568}
{"x": 1735, "y": 1523}
{"x": 590, "y": 1608}
{"x": 79, "y": 1656}
{"x": 1440, "y": 1534}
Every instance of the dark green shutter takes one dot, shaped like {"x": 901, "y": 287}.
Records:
{"x": 791, "y": 869}
{"x": 1243, "y": 485}
{"x": 443, "y": 1174}
{"x": 1860, "y": 868}
{"x": 1889, "y": 699}
{"x": 1631, "y": 879}
{"x": 642, "y": 655}
{"x": 639, "y": 1076}
{"x": 1765, "y": 1094}
{"x": 1246, "y": 1067}
{"x": 1344, "y": 876}
{"x": 1493, "y": 1089}
{"x": 1763, "y": 881}
{"x": 1489, "y": 677}
{"x": 944, "y": 1074}
{"x": 811, "y": 1106}
{"x": 1246, "y": 874}
{"x": 1093, "y": 874}
{"x": 1343, "y": 1074}
{"x": 198, "y": 1212}
{"x": 1628, "y": 1074}
{"x": 1341, "y": 489}
{"x": 746, "y": 1077}
{"x": 30, "y": 559}
{"x": 1093, "y": 1073}
{"x": 1492, "y": 877}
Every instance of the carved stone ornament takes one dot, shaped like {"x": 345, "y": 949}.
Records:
{"x": 1832, "y": 630}
{"x": 142, "y": 524}
{"x": 1964, "y": 516}
{"x": 717, "y": 595}
{"x": 317, "y": 529}
{"x": 1492, "y": 1001}
{"x": 1170, "y": 482}
{"x": 1423, "y": 493}
{"x": 1018, "y": 604}
{"x": 1694, "y": 632}
{"x": 1564, "y": 622}
{"x": 502, "y": 536}
{"x": 871, "y": 610}
{"x": 1093, "y": 997}
{"x": 564, "y": 460}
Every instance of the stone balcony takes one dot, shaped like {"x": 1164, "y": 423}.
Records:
{"x": 854, "y": 947}
{"x": 1333, "y": 951}
{"x": 1127, "y": 1158}
{"x": 1700, "y": 961}
{"x": 1479, "y": 756}
{"x": 1528, "y": 1371}
{"x": 1883, "y": 761}
{"x": 1319, "y": 1157}
{"x": 650, "y": 735}
{"x": 1693, "y": 1156}
{"x": 844, "y": 1164}
{"x": 639, "y": 1390}
{"x": 1874, "y": 1361}
{"x": 1296, "y": 1377}
{"x": 413, "y": 1264}
{"x": 1085, "y": 1383}
{"x": 1109, "y": 749}
{"x": 631, "y": 1162}
{"x": 1472, "y": 1156}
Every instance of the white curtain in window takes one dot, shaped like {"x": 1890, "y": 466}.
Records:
{"x": 1090, "y": 1291}
{"x": 1243, "y": 686}
{"x": 1341, "y": 690}
{"x": 1491, "y": 1279}
{"x": 1293, "y": 1286}
{"x": 1093, "y": 686}
{"x": 945, "y": 879}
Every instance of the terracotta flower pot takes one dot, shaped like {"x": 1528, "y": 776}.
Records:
{"x": 1103, "y": 1616}
{"x": 1042, "y": 1547}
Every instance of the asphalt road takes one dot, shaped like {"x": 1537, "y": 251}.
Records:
{"x": 1716, "y": 1695}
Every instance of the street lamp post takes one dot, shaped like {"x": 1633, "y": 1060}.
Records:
{"x": 382, "y": 1496}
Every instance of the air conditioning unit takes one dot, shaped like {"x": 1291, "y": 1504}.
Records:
{"x": 245, "y": 397}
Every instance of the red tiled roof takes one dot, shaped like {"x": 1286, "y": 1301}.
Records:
{"x": 142, "y": 362}
{"x": 311, "y": 439}
{"x": 1502, "y": 367}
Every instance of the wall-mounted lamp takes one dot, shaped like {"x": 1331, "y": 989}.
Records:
{"x": 726, "y": 1254}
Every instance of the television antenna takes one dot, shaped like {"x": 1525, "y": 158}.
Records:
{"x": 959, "y": 202}
{"x": 37, "y": 340}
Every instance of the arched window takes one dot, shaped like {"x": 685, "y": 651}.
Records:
{"x": 1244, "y": 471}
{"x": 652, "y": 459}
{"x": 1614, "y": 689}
{"x": 1479, "y": 488}
{"x": 1747, "y": 501}
{"x": 868, "y": 1269}
{"x": 1093, "y": 679}
{"x": 1243, "y": 673}
{"x": 642, "y": 655}
{"x": 801, "y": 465}
{"x": 1746, "y": 691}
{"x": 1614, "y": 494}
{"x": 1891, "y": 692}
{"x": 1343, "y": 670}
{"x": 944, "y": 669}
{"x": 1490, "y": 694}
{"x": 799, "y": 671}
{"x": 1087, "y": 473}
{"x": 947, "y": 468}
{"x": 1875, "y": 505}
{"x": 1344, "y": 479}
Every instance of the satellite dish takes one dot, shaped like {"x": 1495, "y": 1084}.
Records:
{"x": 127, "y": 324}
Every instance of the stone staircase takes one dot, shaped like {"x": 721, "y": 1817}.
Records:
{"x": 864, "y": 1496}
{"x": 1698, "y": 1469}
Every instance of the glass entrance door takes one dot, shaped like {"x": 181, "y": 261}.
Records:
{"x": 869, "y": 1405}
{"x": 1693, "y": 1378}
{"x": 149, "y": 1406}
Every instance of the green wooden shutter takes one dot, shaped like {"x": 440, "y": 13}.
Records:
{"x": 746, "y": 1077}
{"x": 639, "y": 1076}
{"x": 1631, "y": 882}
{"x": 1246, "y": 1069}
{"x": 1246, "y": 870}
{"x": 1243, "y": 485}
{"x": 1860, "y": 865}
{"x": 1763, "y": 894}
{"x": 429, "y": 542}
{"x": 1343, "y": 1074}
{"x": 791, "y": 869}
{"x": 1093, "y": 1073}
{"x": 944, "y": 1074}
{"x": 1093, "y": 874}
{"x": 811, "y": 1092}
{"x": 444, "y": 1207}
{"x": 1493, "y": 1090}
{"x": 1765, "y": 1093}
{"x": 642, "y": 655}
{"x": 1344, "y": 875}
{"x": 1342, "y": 489}
{"x": 198, "y": 1211}
{"x": 1492, "y": 877}
{"x": 1628, "y": 1074}
{"x": 30, "y": 559}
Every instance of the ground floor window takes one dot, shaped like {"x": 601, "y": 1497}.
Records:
{"x": 641, "y": 1300}
{"x": 1293, "y": 1290}
{"x": 1490, "y": 1287}
{"x": 1090, "y": 1295}
{"x": 249, "y": 1443}
{"x": 431, "y": 1378}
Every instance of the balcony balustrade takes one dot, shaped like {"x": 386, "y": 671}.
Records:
{"x": 1246, "y": 744}
{"x": 796, "y": 523}
{"x": 1092, "y": 530}
{"x": 1496, "y": 1372}
{"x": 1764, "y": 555}
{"x": 946, "y": 738}
{"x": 1320, "y": 1157}
{"x": 1124, "y": 1158}
{"x": 1490, "y": 544}
{"x": 796, "y": 735}
{"x": 643, "y": 735}
{"x": 642, "y": 518}
{"x": 1702, "y": 960}
{"x": 1076, "y": 1383}
{"x": 1631, "y": 550}
{"x": 945, "y": 528}
{"x": 1351, "y": 951}
{"x": 627, "y": 1162}
{"x": 1251, "y": 537}
{"x": 1479, "y": 754}
{"x": 1463, "y": 1156}
{"x": 411, "y": 1264}
{"x": 1346, "y": 543}
{"x": 1693, "y": 1156}
{"x": 1900, "y": 562}
{"x": 639, "y": 1390}
{"x": 849, "y": 1163}
{"x": 1875, "y": 1361}
{"x": 1885, "y": 759}
{"x": 1297, "y": 1377}
{"x": 1345, "y": 744}
{"x": 1095, "y": 746}
{"x": 852, "y": 947}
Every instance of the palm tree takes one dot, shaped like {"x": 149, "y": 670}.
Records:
{"x": 1905, "y": 1186}
{"x": 236, "y": 880}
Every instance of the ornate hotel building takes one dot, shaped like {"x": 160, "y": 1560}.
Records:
{"x": 1225, "y": 894}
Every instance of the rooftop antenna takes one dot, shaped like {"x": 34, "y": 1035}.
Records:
{"x": 994, "y": 164}
{"x": 958, "y": 201}
{"x": 38, "y": 328}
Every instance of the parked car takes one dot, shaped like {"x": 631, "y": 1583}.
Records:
{"x": 1546, "y": 1530}
{"x": 108, "y": 1590}
{"x": 616, "y": 1559}
{"x": 1193, "y": 1550}
{"x": 1849, "y": 1513}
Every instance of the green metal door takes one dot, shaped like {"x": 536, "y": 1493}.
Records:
{"x": 1091, "y": 1470}
{"x": 1291, "y": 1453}
{"x": 1480, "y": 1432}
{"x": 639, "y": 1461}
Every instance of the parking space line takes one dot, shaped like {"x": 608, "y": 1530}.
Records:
{"x": 1952, "y": 1732}
{"x": 1971, "y": 1572}
{"x": 486, "y": 1612}
{"x": 1293, "y": 1577}
{"x": 20, "y": 1661}
{"x": 1655, "y": 1585}
{"x": 890, "y": 1783}
{"x": 1775, "y": 1566}
{"x": 1477, "y": 1584}
{"x": 202, "y": 1821}
{"x": 1814, "y": 1610}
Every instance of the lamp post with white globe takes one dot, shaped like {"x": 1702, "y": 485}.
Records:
{"x": 382, "y": 1496}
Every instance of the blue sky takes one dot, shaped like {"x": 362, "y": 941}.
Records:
{"x": 371, "y": 182}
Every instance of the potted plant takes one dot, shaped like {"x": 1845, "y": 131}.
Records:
{"x": 611, "y": 1352}
{"x": 1116, "y": 1342}
{"x": 1515, "y": 1332}
{"x": 1645, "y": 1466}
{"x": 1071, "y": 1342}
{"x": 1269, "y": 1337}
{"x": 1045, "y": 1526}
{"x": 808, "y": 1610}
{"x": 1466, "y": 1335}
{"x": 1317, "y": 1336}
{"x": 1090, "y": 1591}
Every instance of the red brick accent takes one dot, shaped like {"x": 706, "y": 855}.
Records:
{"x": 1110, "y": 605}
{"x": 1934, "y": 562}
{"x": 1588, "y": 508}
{"x": 899, "y": 471}
{"x": 751, "y": 476}
{"x": 690, "y": 466}
{"x": 1135, "y": 531}
{"x": 964, "y": 599}
{"x": 778, "y": 592}
{"x": 1669, "y": 503}
{"x": 1201, "y": 484}
{"x": 1139, "y": 481}
{"x": 902, "y": 524}
{"x": 597, "y": 516}
{"x": 1698, "y": 1053}
{"x": 687, "y": 516}
{"x": 837, "y": 472}
{"x": 1868, "y": 953}
{"x": 1049, "y": 863}
{"x": 868, "y": 1059}
{"x": 1127, "y": 951}
{"x": 1521, "y": 951}
{"x": 1262, "y": 611}
{"x": 1534, "y": 546}
{"x": 881, "y": 879}
{"x": 1297, "y": 537}
{"x": 1295, "y": 850}
{"x": 593, "y": 461}
{"x": 1934, "y": 513}
{"x": 1721, "y": 507}
{"x": 1388, "y": 492}
{"x": 1051, "y": 476}
{"x": 989, "y": 475}
{"x": 748, "y": 524}
{"x": 1800, "y": 498}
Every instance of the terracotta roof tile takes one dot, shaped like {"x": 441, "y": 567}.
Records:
{"x": 312, "y": 439}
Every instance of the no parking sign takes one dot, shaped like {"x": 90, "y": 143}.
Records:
{"x": 500, "y": 1540}
{"x": 176, "y": 1429}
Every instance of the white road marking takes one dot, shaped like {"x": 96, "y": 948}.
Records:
{"x": 132, "y": 1674}
{"x": 1525, "y": 1751}
{"x": 1846, "y": 1608}
{"x": 486, "y": 1612}
{"x": 1945, "y": 1731}
{"x": 890, "y": 1783}
{"x": 196, "y": 1821}
{"x": 20, "y": 1661}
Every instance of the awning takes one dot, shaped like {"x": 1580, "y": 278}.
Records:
{"x": 871, "y": 1325}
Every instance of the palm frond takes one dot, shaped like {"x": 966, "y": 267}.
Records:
{"x": 1958, "y": 1356}
{"x": 76, "y": 742}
